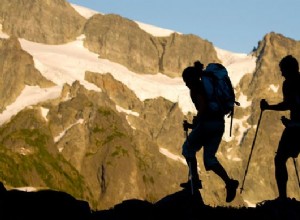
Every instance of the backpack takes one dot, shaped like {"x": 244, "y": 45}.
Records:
{"x": 219, "y": 90}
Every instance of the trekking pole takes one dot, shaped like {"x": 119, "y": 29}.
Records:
{"x": 189, "y": 164}
{"x": 231, "y": 121}
{"x": 294, "y": 159}
{"x": 246, "y": 170}
{"x": 232, "y": 114}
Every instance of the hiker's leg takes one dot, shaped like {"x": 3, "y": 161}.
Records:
{"x": 192, "y": 144}
{"x": 211, "y": 146}
{"x": 192, "y": 163}
{"x": 281, "y": 176}
{"x": 189, "y": 149}
{"x": 231, "y": 184}
{"x": 281, "y": 157}
{"x": 221, "y": 172}
{"x": 193, "y": 177}
{"x": 211, "y": 162}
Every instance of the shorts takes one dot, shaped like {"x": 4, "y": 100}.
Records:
{"x": 207, "y": 134}
{"x": 289, "y": 144}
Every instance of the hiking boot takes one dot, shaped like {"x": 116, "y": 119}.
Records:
{"x": 231, "y": 187}
{"x": 197, "y": 184}
{"x": 282, "y": 200}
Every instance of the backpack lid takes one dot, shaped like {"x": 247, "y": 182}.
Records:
{"x": 218, "y": 70}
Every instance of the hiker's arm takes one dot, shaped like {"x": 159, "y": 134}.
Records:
{"x": 186, "y": 125}
{"x": 282, "y": 106}
{"x": 285, "y": 104}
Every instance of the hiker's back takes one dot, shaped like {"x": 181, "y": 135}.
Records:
{"x": 295, "y": 96}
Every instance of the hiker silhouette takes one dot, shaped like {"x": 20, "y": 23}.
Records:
{"x": 289, "y": 144}
{"x": 207, "y": 131}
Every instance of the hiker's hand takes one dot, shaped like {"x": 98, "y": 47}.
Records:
{"x": 285, "y": 121}
{"x": 195, "y": 120}
{"x": 264, "y": 104}
{"x": 186, "y": 125}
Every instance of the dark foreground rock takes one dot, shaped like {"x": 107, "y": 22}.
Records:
{"x": 181, "y": 205}
{"x": 43, "y": 204}
{"x": 49, "y": 204}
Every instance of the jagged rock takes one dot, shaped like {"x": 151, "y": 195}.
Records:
{"x": 270, "y": 51}
{"x": 111, "y": 36}
{"x": 180, "y": 50}
{"x": 17, "y": 71}
{"x": 261, "y": 176}
{"x": 51, "y": 22}
{"x": 121, "y": 40}
{"x": 116, "y": 91}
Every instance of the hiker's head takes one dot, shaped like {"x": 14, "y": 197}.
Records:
{"x": 190, "y": 76}
{"x": 289, "y": 66}
{"x": 198, "y": 65}
{"x": 199, "y": 68}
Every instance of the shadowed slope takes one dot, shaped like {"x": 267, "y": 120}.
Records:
{"x": 44, "y": 204}
{"x": 181, "y": 205}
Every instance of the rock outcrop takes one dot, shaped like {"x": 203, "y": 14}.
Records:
{"x": 17, "y": 71}
{"x": 42, "y": 21}
{"x": 121, "y": 40}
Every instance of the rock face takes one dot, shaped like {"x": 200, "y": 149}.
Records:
{"x": 122, "y": 41}
{"x": 17, "y": 71}
{"x": 49, "y": 21}
{"x": 109, "y": 146}
{"x": 271, "y": 50}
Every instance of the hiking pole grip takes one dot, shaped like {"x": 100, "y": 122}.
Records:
{"x": 231, "y": 121}
{"x": 246, "y": 170}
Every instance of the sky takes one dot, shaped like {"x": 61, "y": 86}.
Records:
{"x": 234, "y": 25}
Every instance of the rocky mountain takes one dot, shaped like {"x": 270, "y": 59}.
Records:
{"x": 50, "y": 22}
{"x": 104, "y": 135}
{"x": 123, "y": 41}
